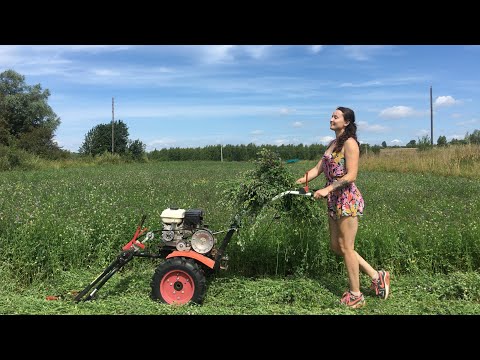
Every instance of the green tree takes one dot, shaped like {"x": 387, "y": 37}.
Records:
{"x": 24, "y": 109}
{"x": 99, "y": 139}
{"x": 38, "y": 141}
{"x": 424, "y": 143}
{"x": 364, "y": 148}
{"x": 442, "y": 141}
{"x": 411, "y": 144}
{"x": 5, "y": 137}
{"x": 458, "y": 142}
{"x": 136, "y": 149}
{"x": 87, "y": 146}
{"x": 473, "y": 138}
{"x": 376, "y": 149}
{"x": 384, "y": 144}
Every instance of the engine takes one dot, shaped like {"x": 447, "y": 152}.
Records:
{"x": 184, "y": 230}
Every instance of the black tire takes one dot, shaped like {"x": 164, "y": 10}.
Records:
{"x": 178, "y": 280}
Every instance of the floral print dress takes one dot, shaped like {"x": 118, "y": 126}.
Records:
{"x": 347, "y": 201}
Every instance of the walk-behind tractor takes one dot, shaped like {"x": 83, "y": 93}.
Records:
{"x": 190, "y": 251}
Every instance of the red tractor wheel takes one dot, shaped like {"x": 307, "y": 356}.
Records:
{"x": 178, "y": 281}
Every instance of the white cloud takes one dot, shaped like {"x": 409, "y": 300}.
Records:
{"x": 297, "y": 124}
{"x": 363, "y": 52}
{"x": 214, "y": 54}
{"x": 366, "y": 127}
{"x": 396, "y": 142}
{"x": 391, "y": 81}
{"x": 281, "y": 142}
{"x": 455, "y": 136}
{"x": 21, "y": 59}
{"x": 316, "y": 48}
{"x": 364, "y": 84}
{"x": 39, "y": 55}
{"x": 325, "y": 139}
{"x": 83, "y": 48}
{"x": 218, "y": 53}
{"x": 468, "y": 122}
{"x": 155, "y": 112}
{"x": 9, "y": 56}
{"x": 423, "y": 132}
{"x": 257, "y": 132}
{"x": 397, "y": 112}
{"x": 105, "y": 72}
{"x": 286, "y": 111}
{"x": 256, "y": 51}
{"x": 445, "y": 101}
{"x": 161, "y": 143}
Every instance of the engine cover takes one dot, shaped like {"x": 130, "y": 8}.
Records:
{"x": 172, "y": 216}
{"x": 194, "y": 217}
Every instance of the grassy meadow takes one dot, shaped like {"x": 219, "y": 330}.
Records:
{"x": 60, "y": 226}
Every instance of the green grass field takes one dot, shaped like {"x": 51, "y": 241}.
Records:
{"x": 60, "y": 227}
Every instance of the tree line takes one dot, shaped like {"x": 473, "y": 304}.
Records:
{"x": 237, "y": 152}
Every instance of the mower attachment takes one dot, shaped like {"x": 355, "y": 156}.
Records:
{"x": 116, "y": 265}
{"x": 129, "y": 251}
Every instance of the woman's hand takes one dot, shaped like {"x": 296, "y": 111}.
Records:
{"x": 322, "y": 193}
{"x": 302, "y": 180}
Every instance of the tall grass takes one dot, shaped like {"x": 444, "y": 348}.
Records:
{"x": 454, "y": 160}
{"x": 58, "y": 220}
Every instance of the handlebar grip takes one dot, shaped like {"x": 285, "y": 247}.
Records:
{"x": 305, "y": 190}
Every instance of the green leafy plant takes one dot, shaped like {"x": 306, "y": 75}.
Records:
{"x": 253, "y": 190}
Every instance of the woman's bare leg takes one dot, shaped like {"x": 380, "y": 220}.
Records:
{"x": 342, "y": 240}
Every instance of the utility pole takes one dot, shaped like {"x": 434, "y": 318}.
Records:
{"x": 431, "y": 117}
{"x": 221, "y": 152}
{"x": 113, "y": 121}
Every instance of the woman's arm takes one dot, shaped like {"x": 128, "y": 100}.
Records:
{"x": 312, "y": 173}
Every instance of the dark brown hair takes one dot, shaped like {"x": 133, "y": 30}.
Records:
{"x": 350, "y": 130}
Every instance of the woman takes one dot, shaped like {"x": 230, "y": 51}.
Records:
{"x": 345, "y": 203}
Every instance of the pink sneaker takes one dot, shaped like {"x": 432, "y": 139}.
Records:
{"x": 382, "y": 284}
{"x": 352, "y": 301}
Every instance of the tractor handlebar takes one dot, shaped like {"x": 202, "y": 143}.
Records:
{"x": 301, "y": 192}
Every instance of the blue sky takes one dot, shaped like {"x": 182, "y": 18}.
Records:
{"x": 193, "y": 96}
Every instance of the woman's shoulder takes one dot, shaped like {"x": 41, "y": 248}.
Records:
{"x": 351, "y": 144}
